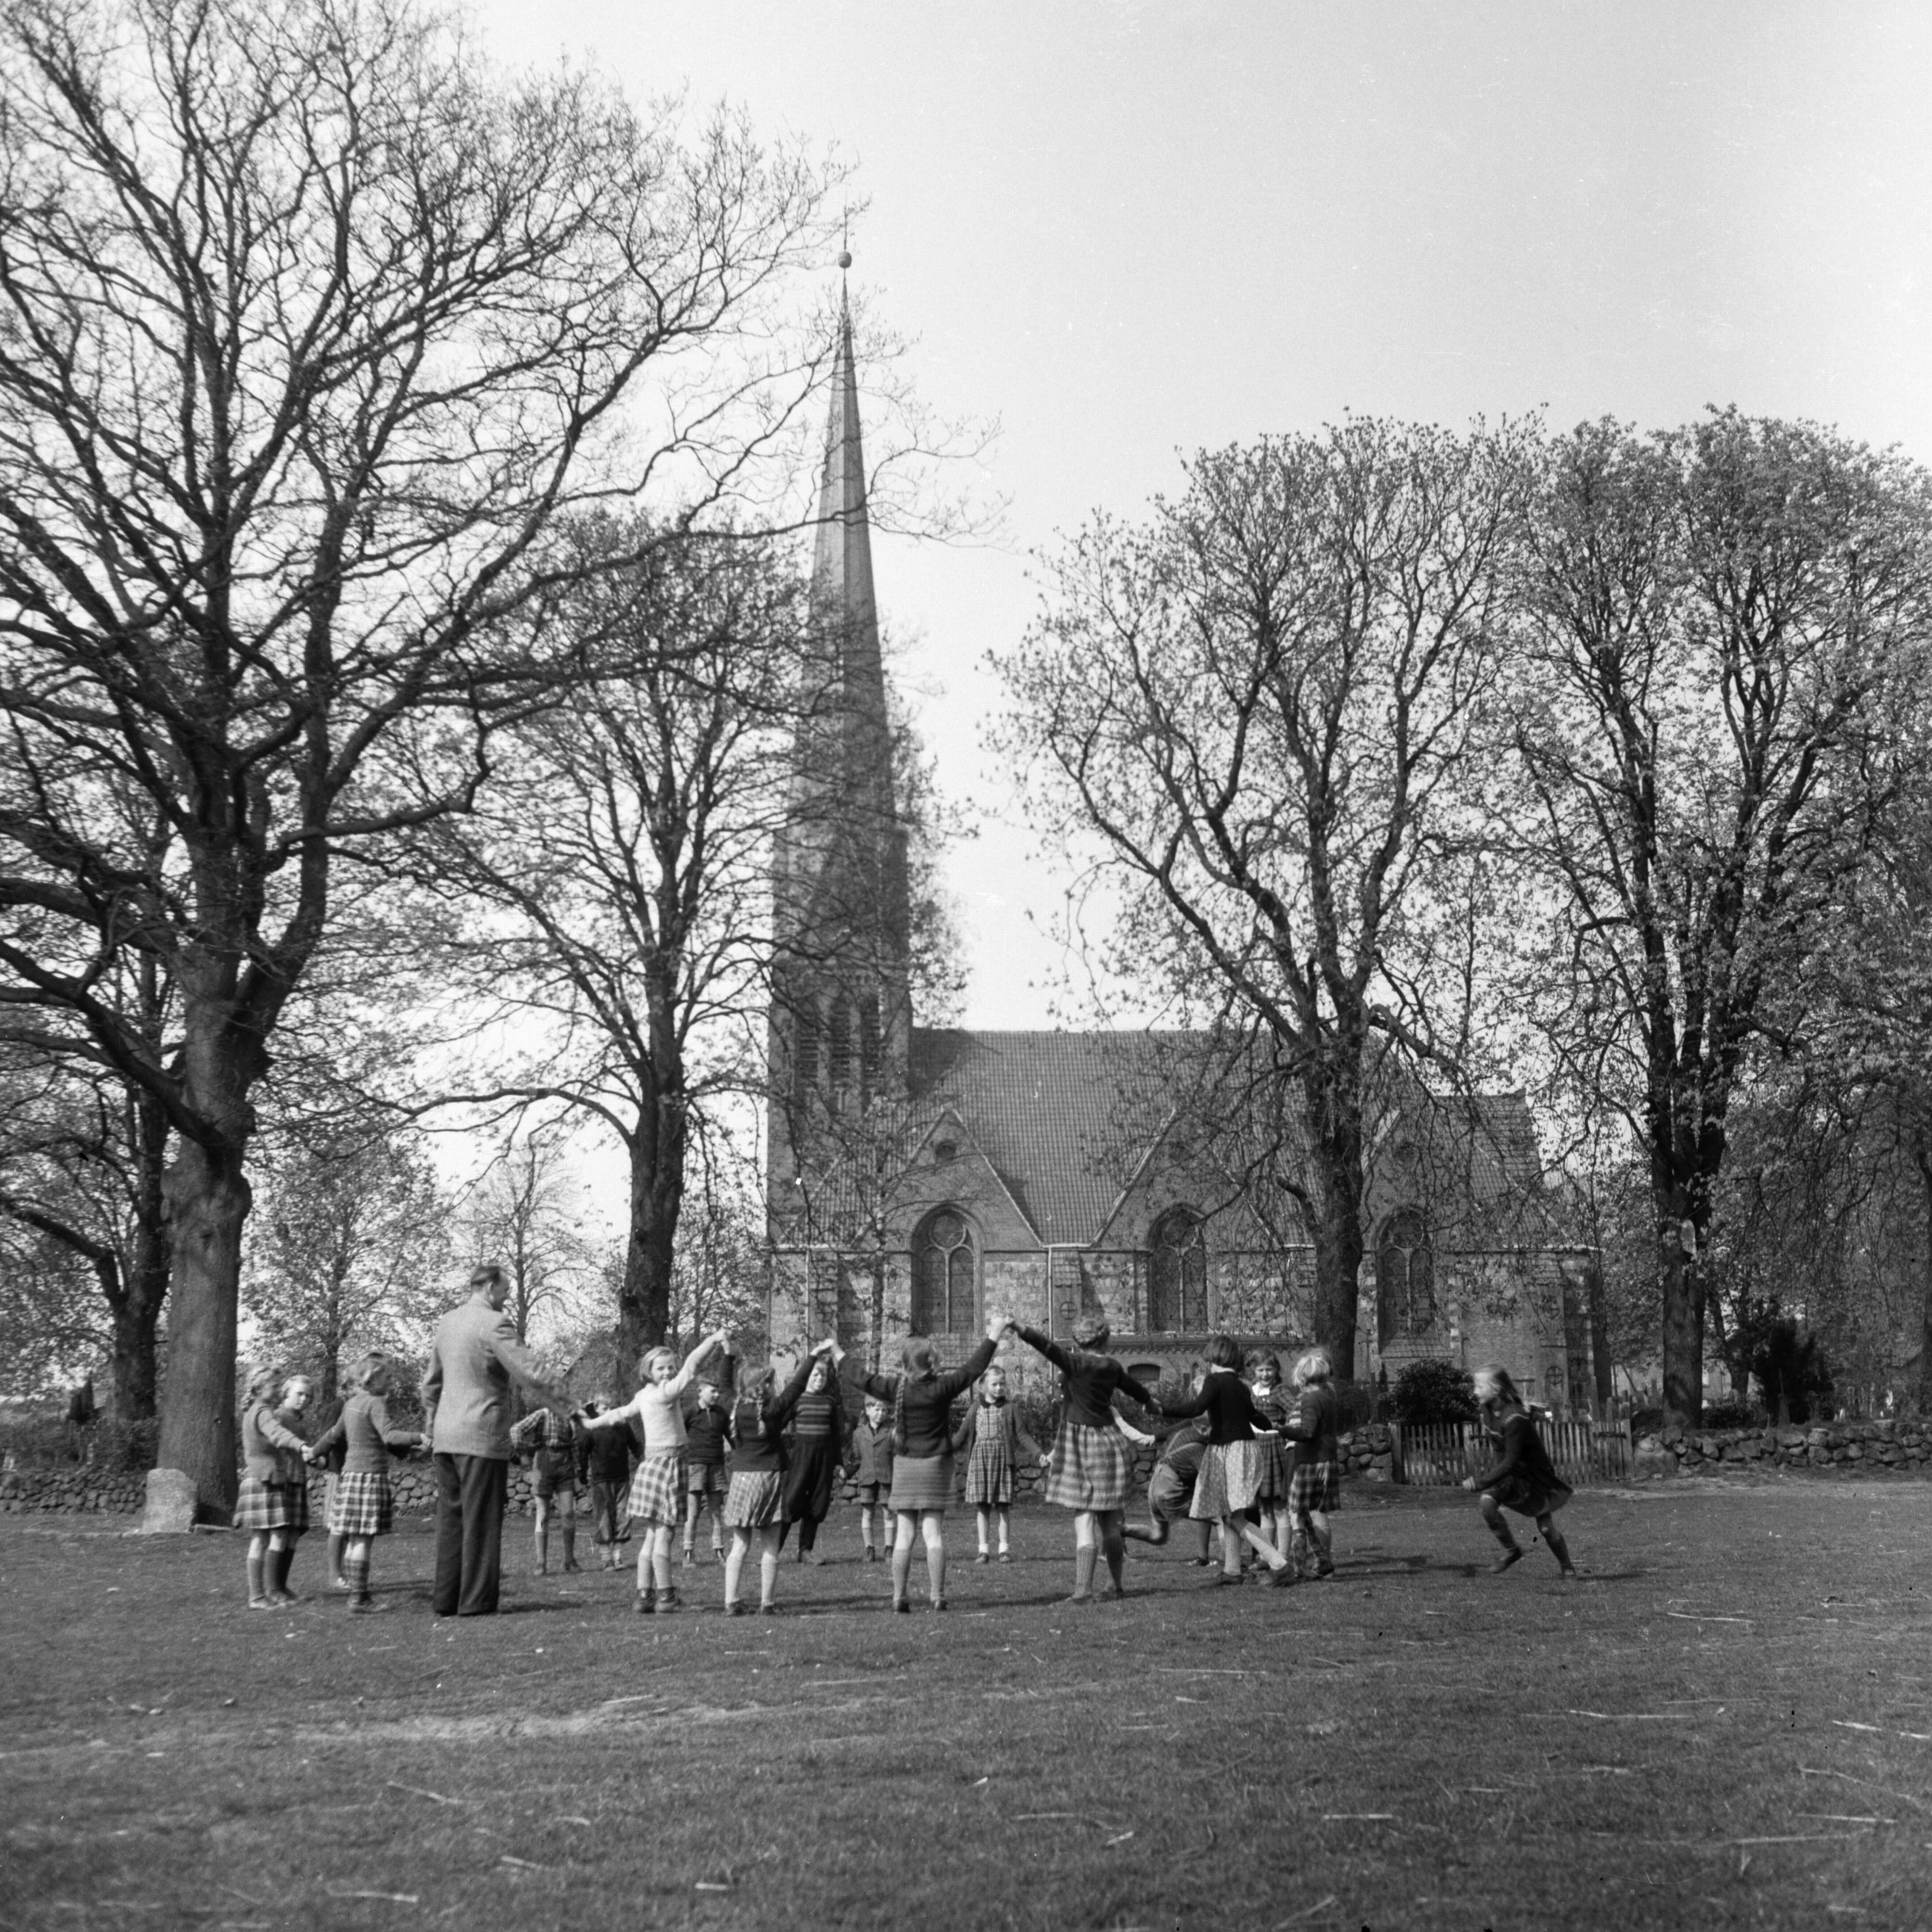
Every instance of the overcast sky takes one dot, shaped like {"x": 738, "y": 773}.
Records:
{"x": 1132, "y": 230}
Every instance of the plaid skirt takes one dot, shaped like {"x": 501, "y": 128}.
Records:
{"x": 1277, "y": 1459}
{"x": 989, "y": 1471}
{"x": 1090, "y": 1470}
{"x": 361, "y": 1505}
{"x": 1314, "y": 1485}
{"x": 1230, "y": 1481}
{"x": 922, "y": 1482}
{"x": 271, "y": 1506}
{"x": 658, "y": 1488}
{"x": 751, "y": 1503}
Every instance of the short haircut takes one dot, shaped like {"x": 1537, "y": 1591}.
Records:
{"x": 485, "y": 1272}
{"x": 1222, "y": 1352}
{"x": 651, "y": 1357}
{"x": 1259, "y": 1358}
{"x": 1314, "y": 1366}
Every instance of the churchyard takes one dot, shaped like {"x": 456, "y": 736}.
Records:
{"x": 1726, "y": 1723}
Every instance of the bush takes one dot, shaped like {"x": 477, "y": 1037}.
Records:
{"x": 1733, "y": 1413}
{"x": 1427, "y": 1392}
{"x": 1355, "y": 1404}
{"x": 107, "y": 1443}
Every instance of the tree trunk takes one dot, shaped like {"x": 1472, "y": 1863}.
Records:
{"x": 1922, "y": 1158}
{"x": 1600, "y": 1364}
{"x": 1683, "y": 1284}
{"x": 208, "y": 1199}
{"x": 643, "y": 1305}
{"x": 144, "y": 1282}
{"x": 1338, "y": 1244}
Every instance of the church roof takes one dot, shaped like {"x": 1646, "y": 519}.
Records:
{"x": 1066, "y": 1118}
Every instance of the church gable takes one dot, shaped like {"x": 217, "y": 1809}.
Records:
{"x": 949, "y": 1168}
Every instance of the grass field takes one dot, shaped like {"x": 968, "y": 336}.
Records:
{"x": 1727, "y": 1722}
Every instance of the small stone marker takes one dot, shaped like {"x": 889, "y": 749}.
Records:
{"x": 172, "y": 1499}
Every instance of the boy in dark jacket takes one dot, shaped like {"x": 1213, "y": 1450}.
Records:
{"x": 871, "y": 1442}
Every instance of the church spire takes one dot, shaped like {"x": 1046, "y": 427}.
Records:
{"x": 844, "y": 610}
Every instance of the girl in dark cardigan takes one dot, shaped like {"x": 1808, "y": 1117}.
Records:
{"x": 1521, "y": 1478}
{"x": 1090, "y": 1470}
{"x": 1230, "y": 1470}
{"x": 1315, "y": 1483}
{"x": 921, "y": 1400}
{"x": 361, "y": 1508}
{"x": 754, "y": 1503}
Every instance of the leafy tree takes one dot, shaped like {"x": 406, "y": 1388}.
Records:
{"x": 1262, "y": 703}
{"x": 1724, "y": 629}
{"x": 310, "y": 327}
{"x": 349, "y": 1249}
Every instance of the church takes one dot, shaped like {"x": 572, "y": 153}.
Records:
{"x": 918, "y": 1177}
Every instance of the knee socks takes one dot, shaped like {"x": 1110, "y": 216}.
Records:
{"x": 935, "y": 1570}
{"x": 1558, "y": 1548}
{"x": 808, "y": 1534}
{"x": 1083, "y": 1555}
{"x": 901, "y": 1569}
{"x": 256, "y": 1594}
{"x": 734, "y": 1571}
{"x": 335, "y": 1545}
{"x": 1115, "y": 1550}
{"x": 543, "y": 1551}
{"x": 1499, "y": 1528}
{"x": 279, "y": 1561}
{"x": 570, "y": 1545}
{"x": 355, "y": 1569}
{"x": 768, "y": 1574}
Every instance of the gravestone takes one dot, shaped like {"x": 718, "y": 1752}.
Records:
{"x": 172, "y": 1499}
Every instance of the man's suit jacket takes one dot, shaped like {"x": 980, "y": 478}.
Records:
{"x": 473, "y": 1360}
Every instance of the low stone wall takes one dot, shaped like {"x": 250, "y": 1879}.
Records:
{"x": 120, "y": 1492}
{"x": 1903, "y": 1444}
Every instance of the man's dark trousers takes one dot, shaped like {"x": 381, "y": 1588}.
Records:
{"x": 472, "y": 1492}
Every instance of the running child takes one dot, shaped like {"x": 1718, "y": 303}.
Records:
{"x": 1170, "y": 1488}
{"x": 992, "y": 1440}
{"x": 872, "y": 1471}
{"x": 273, "y": 1505}
{"x": 708, "y": 1428}
{"x": 553, "y": 1445}
{"x": 1523, "y": 1477}
{"x": 1090, "y": 1470}
{"x": 361, "y": 1508}
{"x": 1230, "y": 1470}
{"x": 753, "y": 1503}
{"x": 658, "y": 1489}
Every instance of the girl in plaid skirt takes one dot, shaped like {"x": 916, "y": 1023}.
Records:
{"x": 754, "y": 1502}
{"x": 658, "y": 1488}
{"x": 992, "y": 1441}
{"x": 1277, "y": 1456}
{"x": 360, "y": 1509}
{"x": 273, "y": 1505}
{"x": 1315, "y": 1482}
{"x": 1090, "y": 1470}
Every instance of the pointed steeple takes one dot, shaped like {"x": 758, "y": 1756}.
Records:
{"x": 841, "y": 565}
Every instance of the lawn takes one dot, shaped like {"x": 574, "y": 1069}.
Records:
{"x": 1727, "y": 1722}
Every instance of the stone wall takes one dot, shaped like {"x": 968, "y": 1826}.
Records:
{"x": 1905, "y": 1444}
{"x": 23, "y": 1491}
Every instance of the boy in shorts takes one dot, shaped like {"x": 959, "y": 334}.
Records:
{"x": 704, "y": 1429}
{"x": 872, "y": 1440}
{"x": 553, "y": 1445}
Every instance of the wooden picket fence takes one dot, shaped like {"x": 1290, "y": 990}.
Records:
{"x": 1439, "y": 1454}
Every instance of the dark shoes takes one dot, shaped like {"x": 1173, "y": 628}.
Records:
{"x": 1503, "y": 1562}
{"x": 735, "y": 1609}
{"x": 902, "y": 1607}
{"x": 647, "y": 1604}
{"x": 366, "y": 1607}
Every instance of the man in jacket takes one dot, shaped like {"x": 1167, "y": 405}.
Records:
{"x": 473, "y": 1360}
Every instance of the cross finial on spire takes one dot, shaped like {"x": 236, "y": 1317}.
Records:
{"x": 845, "y": 241}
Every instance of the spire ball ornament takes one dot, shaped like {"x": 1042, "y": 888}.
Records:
{"x": 845, "y": 258}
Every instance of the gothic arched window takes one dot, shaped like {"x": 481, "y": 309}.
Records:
{"x": 944, "y": 1300}
{"x": 1177, "y": 1274}
{"x": 868, "y": 1050}
{"x": 1404, "y": 1279}
{"x": 804, "y": 1052}
{"x": 839, "y": 1055}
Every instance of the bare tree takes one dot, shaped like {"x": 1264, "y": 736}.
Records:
{"x": 528, "y": 1213}
{"x": 625, "y": 846}
{"x": 1262, "y": 700}
{"x": 309, "y": 326}
{"x": 1724, "y": 627}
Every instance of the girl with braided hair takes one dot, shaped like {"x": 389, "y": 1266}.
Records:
{"x": 754, "y": 1502}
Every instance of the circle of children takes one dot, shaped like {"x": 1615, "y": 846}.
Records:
{"x": 1258, "y": 1462}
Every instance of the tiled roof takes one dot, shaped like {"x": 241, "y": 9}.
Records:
{"x": 1064, "y": 1117}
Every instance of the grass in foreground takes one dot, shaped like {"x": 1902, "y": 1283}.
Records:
{"x": 1728, "y": 1723}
